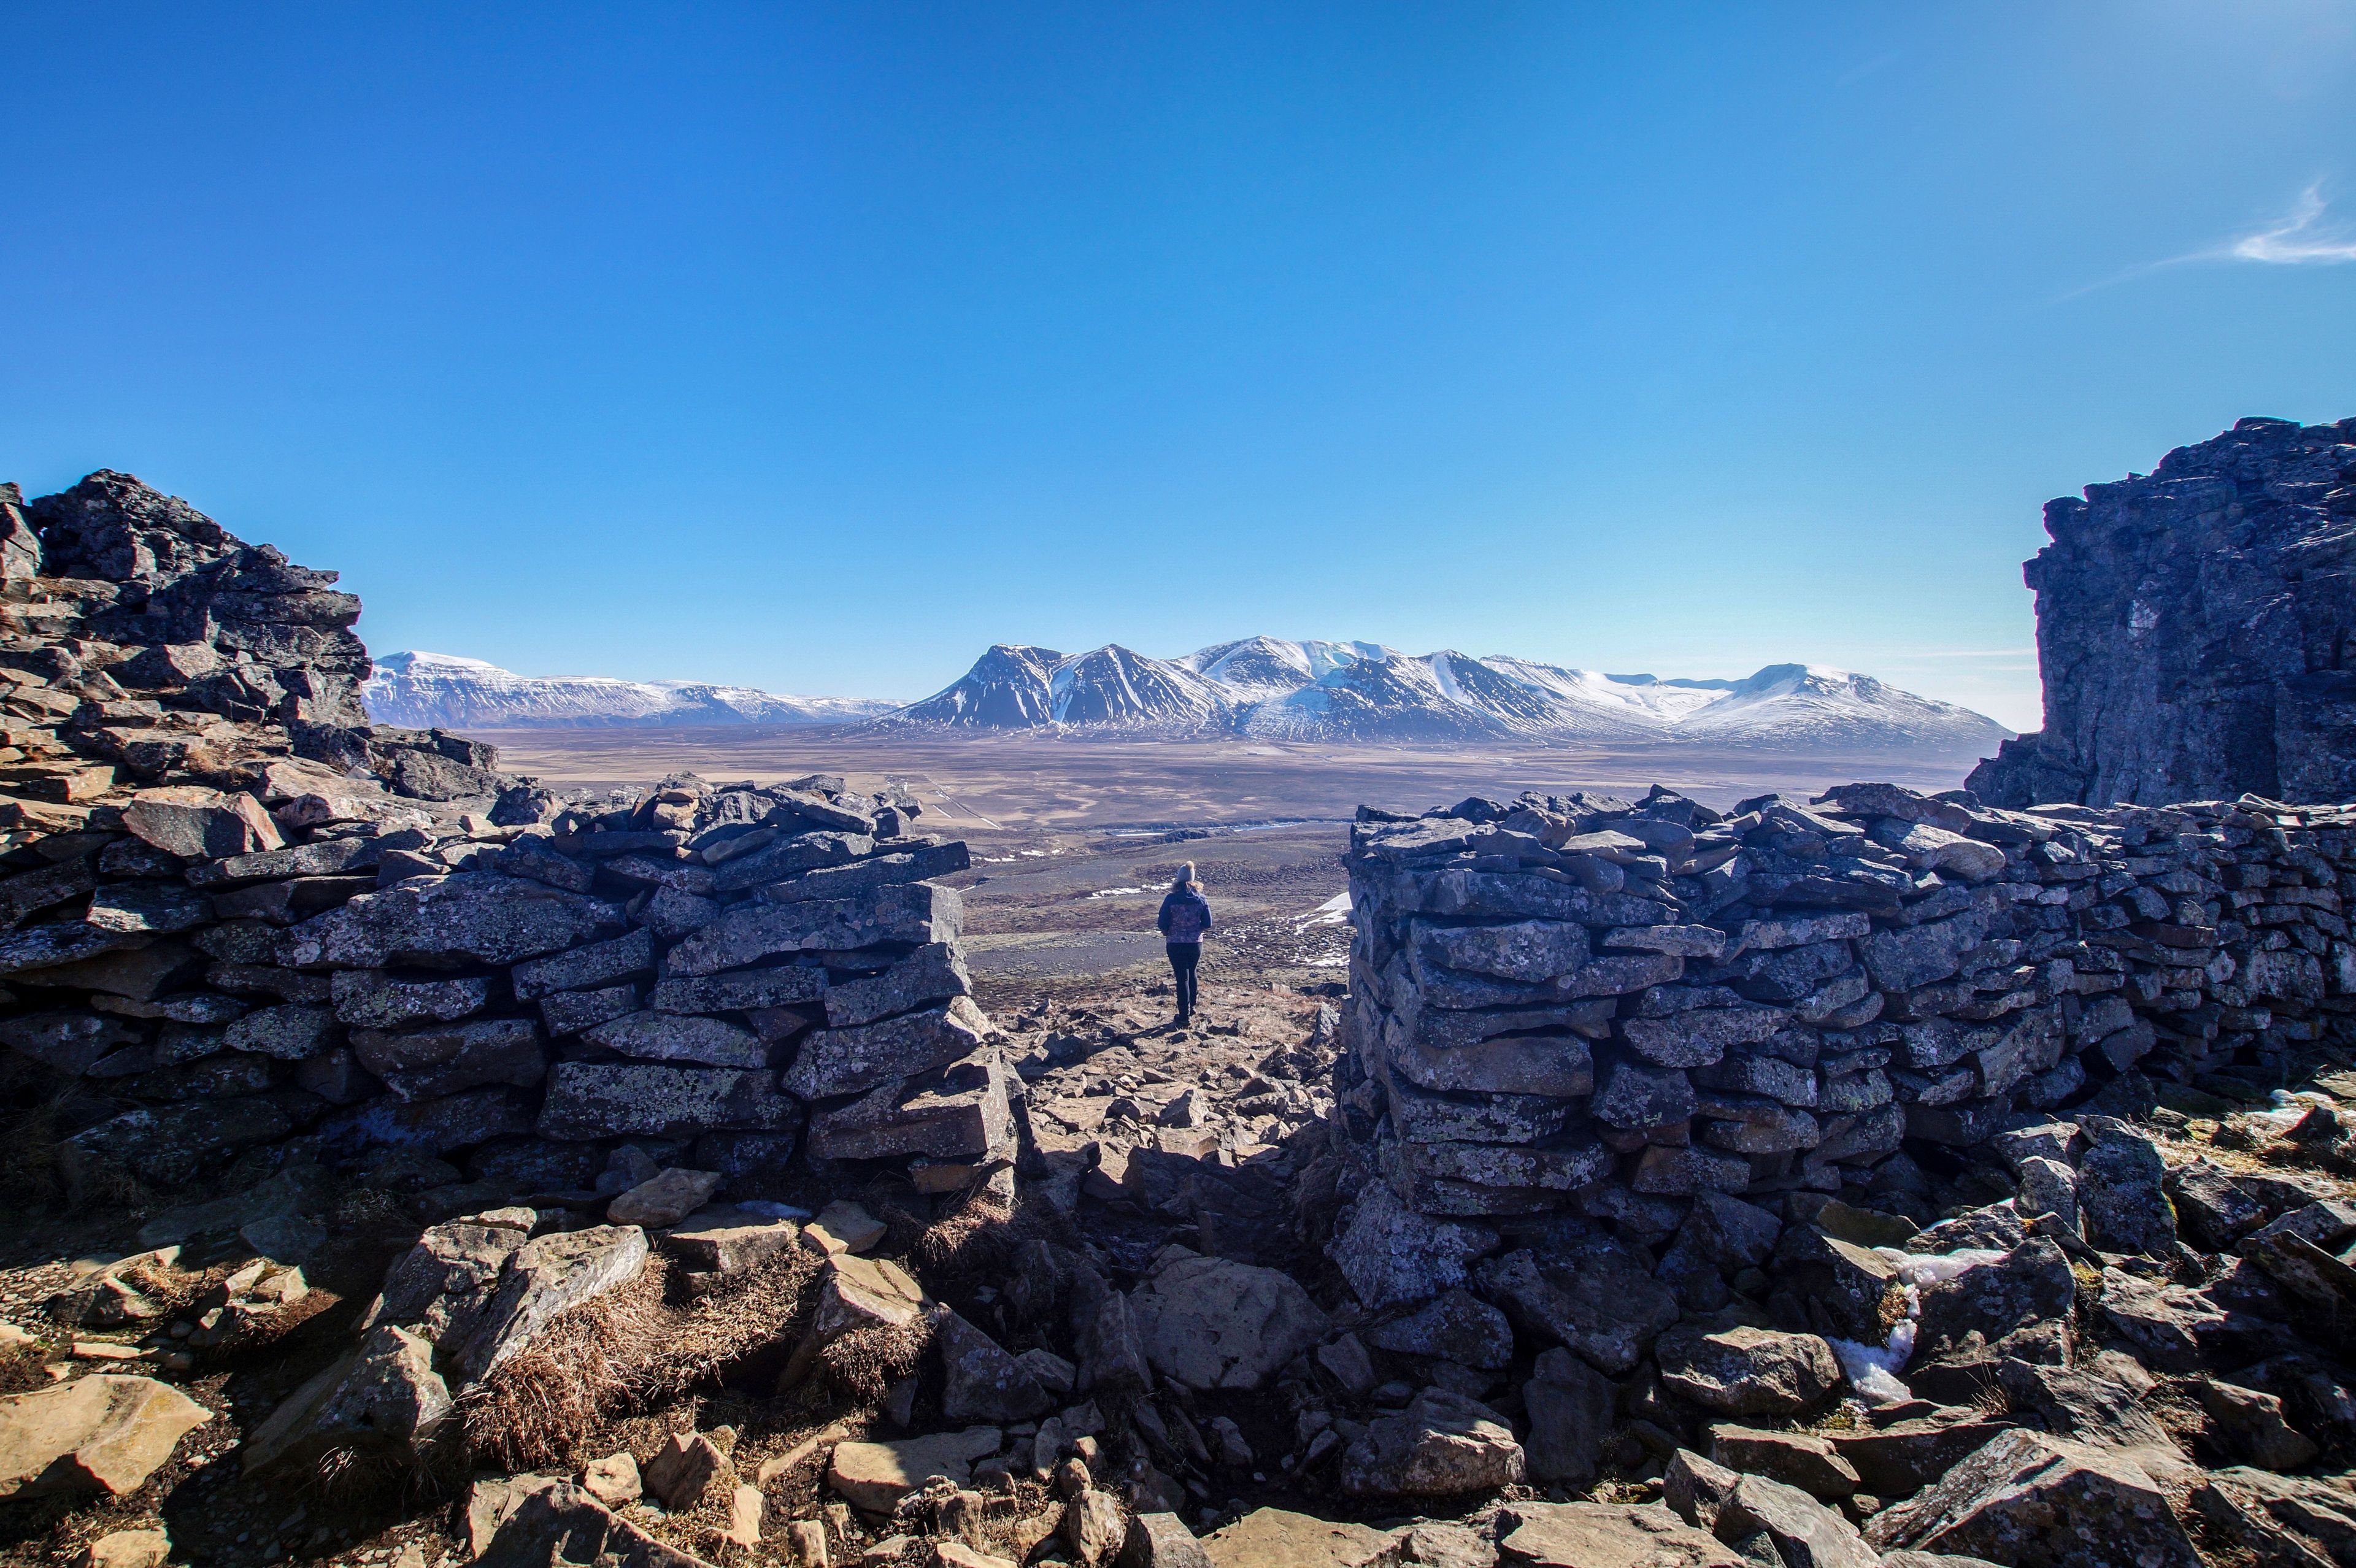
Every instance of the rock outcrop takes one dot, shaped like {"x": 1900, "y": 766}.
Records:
{"x": 2196, "y": 630}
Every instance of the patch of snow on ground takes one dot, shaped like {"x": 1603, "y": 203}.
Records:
{"x": 1334, "y": 911}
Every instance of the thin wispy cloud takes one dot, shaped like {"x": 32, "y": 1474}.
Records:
{"x": 2299, "y": 239}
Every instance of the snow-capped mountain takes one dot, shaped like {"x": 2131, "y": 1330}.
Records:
{"x": 423, "y": 691}
{"x": 1269, "y": 687}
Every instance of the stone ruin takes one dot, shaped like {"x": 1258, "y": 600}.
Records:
{"x": 2196, "y": 630}
{"x": 1881, "y": 1180}
{"x": 252, "y": 926}
{"x": 1604, "y": 1008}
{"x": 1698, "y": 1115}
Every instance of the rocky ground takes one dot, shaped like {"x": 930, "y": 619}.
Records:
{"x": 1152, "y": 1348}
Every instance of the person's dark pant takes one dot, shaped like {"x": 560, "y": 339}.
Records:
{"x": 1183, "y": 956}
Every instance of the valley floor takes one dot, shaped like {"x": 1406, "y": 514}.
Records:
{"x": 1041, "y": 782}
{"x": 1075, "y": 840}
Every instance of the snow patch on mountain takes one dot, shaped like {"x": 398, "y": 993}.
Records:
{"x": 1269, "y": 687}
{"x": 422, "y": 690}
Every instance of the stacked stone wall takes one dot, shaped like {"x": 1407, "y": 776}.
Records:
{"x": 1605, "y": 1007}
{"x": 241, "y": 925}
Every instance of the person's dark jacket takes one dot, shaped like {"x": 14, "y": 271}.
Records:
{"x": 1185, "y": 916}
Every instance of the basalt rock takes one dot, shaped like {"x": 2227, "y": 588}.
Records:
{"x": 2192, "y": 630}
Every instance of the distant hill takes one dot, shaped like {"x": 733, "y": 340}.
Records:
{"x": 423, "y": 691}
{"x": 1273, "y": 688}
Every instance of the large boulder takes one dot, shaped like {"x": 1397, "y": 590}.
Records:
{"x": 876, "y": 1476}
{"x": 2210, "y": 1204}
{"x": 1443, "y": 1444}
{"x": 1898, "y": 1458}
{"x": 562, "y": 1526}
{"x": 1605, "y": 1535}
{"x": 1851, "y": 1292}
{"x": 384, "y": 1398}
{"x": 2253, "y": 1426}
{"x": 1276, "y": 1538}
{"x": 2031, "y": 1500}
{"x": 199, "y": 824}
{"x": 1456, "y": 1325}
{"x": 546, "y": 1276}
{"x": 1802, "y": 1531}
{"x": 981, "y": 1383}
{"x": 2031, "y": 1284}
{"x": 1748, "y": 1371}
{"x": 664, "y": 1199}
{"x": 2121, "y": 1192}
{"x": 1570, "y": 1408}
{"x": 1391, "y": 1254}
{"x": 440, "y": 1286}
{"x": 855, "y": 1292}
{"x": 96, "y": 1434}
{"x": 2278, "y": 1521}
{"x": 1214, "y": 1323}
{"x": 1801, "y": 1459}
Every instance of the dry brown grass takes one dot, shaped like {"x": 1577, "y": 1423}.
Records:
{"x": 863, "y": 1363}
{"x": 170, "y": 1288}
{"x": 593, "y": 1361}
{"x": 974, "y": 1244}
{"x": 721, "y": 1327}
{"x": 624, "y": 1352}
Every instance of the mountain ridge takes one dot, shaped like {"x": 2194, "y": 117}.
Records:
{"x": 1257, "y": 688}
{"x": 423, "y": 690}
{"x": 1269, "y": 687}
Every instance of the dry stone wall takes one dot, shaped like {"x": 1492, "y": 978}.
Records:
{"x": 240, "y": 925}
{"x": 1595, "y": 1009}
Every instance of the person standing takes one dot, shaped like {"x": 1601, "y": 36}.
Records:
{"x": 1185, "y": 916}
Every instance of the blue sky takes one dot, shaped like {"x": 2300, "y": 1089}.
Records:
{"x": 815, "y": 347}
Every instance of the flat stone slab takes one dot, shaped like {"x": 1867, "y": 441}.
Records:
{"x": 1606, "y": 1535}
{"x": 96, "y": 1434}
{"x": 876, "y": 1476}
{"x": 1274, "y": 1538}
{"x": 725, "y": 1240}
